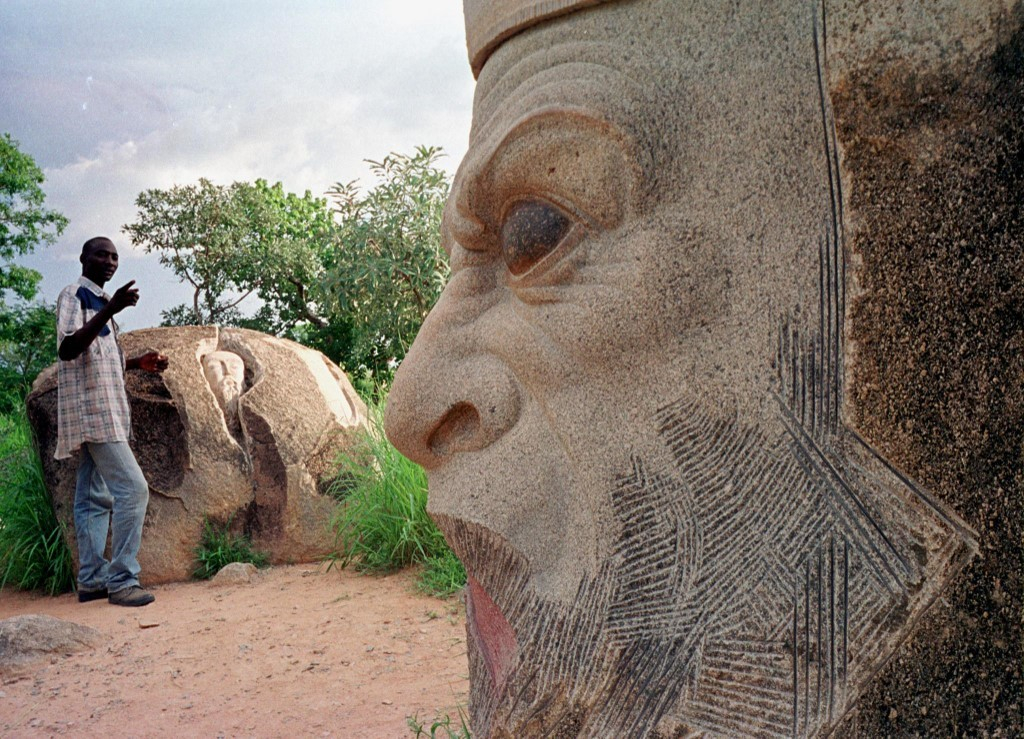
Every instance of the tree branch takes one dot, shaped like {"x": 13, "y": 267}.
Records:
{"x": 232, "y": 305}
{"x": 301, "y": 290}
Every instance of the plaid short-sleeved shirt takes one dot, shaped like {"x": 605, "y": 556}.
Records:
{"x": 91, "y": 401}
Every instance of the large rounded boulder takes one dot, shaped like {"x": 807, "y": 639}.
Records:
{"x": 241, "y": 429}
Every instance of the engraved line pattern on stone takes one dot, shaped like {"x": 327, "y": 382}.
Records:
{"x": 811, "y": 573}
{"x": 849, "y": 508}
{"x": 725, "y": 600}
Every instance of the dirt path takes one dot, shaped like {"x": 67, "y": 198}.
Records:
{"x": 301, "y": 652}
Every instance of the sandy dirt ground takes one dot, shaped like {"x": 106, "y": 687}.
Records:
{"x": 300, "y": 652}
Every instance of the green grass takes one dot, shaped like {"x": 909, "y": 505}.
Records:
{"x": 442, "y": 574}
{"x": 220, "y": 547}
{"x": 382, "y": 524}
{"x": 34, "y": 554}
{"x": 441, "y": 727}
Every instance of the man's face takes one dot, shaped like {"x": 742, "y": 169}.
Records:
{"x": 582, "y": 299}
{"x": 99, "y": 262}
{"x": 628, "y": 398}
{"x": 602, "y": 358}
{"x": 224, "y": 372}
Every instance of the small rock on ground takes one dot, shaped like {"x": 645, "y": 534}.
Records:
{"x": 30, "y": 638}
{"x": 236, "y": 573}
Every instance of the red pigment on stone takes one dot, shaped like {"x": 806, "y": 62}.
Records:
{"x": 491, "y": 632}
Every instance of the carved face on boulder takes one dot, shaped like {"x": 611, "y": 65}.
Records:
{"x": 628, "y": 398}
{"x": 225, "y": 372}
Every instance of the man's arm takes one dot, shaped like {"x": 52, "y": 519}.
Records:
{"x": 150, "y": 361}
{"x": 72, "y": 346}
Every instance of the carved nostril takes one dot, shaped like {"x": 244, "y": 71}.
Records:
{"x": 430, "y": 419}
{"x": 459, "y": 431}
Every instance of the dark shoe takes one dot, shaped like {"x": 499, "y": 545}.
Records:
{"x": 131, "y": 596}
{"x": 84, "y": 596}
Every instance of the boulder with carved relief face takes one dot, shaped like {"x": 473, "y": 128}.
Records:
{"x": 242, "y": 429}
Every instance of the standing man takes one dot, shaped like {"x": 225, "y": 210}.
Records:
{"x": 93, "y": 415}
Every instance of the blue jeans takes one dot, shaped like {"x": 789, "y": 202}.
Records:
{"x": 111, "y": 494}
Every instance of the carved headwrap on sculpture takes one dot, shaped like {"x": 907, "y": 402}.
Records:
{"x": 490, "y": 23}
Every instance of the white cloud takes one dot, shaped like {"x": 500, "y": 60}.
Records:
{"x": 115, "y": 98}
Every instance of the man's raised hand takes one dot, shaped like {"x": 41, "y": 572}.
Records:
{"x": 125, "y": 297}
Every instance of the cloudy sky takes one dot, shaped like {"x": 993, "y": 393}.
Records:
{"x": 115, "y": 97}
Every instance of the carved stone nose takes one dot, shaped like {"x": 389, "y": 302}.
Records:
{"x": 432, "y": 415}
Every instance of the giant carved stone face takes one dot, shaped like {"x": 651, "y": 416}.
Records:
{"x": 630, "y": 397}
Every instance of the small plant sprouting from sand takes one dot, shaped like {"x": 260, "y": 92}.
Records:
{"x": 441, "y": 727}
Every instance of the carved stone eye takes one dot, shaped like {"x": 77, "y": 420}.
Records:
{"x": 531, "y": 231}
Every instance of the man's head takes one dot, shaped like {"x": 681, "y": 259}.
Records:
{"x": 620, "y": 395}
{"x": 99, "y": 259}
{"x": 607, "y": 248}
{"x": 607, "y": 244}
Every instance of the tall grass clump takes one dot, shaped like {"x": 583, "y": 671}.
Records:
{"x": 34, "y": 554}
{"x": 219, "y": 547}
{"x": 382, "y": 523}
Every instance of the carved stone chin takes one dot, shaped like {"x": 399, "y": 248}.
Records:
{"x": 639, "y": 400}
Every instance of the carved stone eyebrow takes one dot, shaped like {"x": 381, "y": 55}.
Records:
{"x": 572, "y": 156}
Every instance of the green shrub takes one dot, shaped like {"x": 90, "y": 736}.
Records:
{"x": 382, "y": 524}
{"x": 220, "y": 547}
{"x": 34, "y": 554}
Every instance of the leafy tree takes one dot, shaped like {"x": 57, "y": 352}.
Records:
{"x": 194, "y": 230}
{"x": 28, "y": 345}
{"x": 355, "y": 284}
{"x": 388, "y": 268}
{"x": 24, "y": 222}
{"x": 27, "y": 333}
{"x": 232, "y": 242}
{"x": 287, "y": 263}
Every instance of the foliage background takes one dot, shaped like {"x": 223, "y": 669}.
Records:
{"x": 382, "y": 524}
{"x": 354, "y": 279}
{"x": 27, "y": 334}
{"x": 33, "y": 552}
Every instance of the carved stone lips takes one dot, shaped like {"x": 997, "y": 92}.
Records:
{"x": 491, "y": 633}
